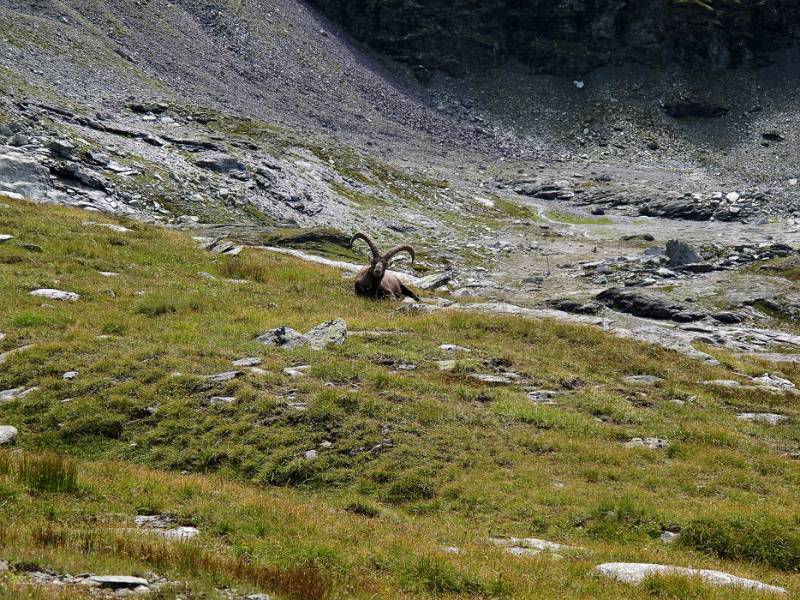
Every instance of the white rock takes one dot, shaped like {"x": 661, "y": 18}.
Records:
{"x": 669, "y": 536}
{"x": 446, "y": 365}
{"x": 4, "y": 237}
{"x": 310, "y": 455}
{"x": 793, "y": 182}
{"x": 579, "y": 84}
{"x": 109, "y": 274}
{"x": 6, "y": 355}
{"x": 642, "y": 379}
{"x": 774, "y": 381}
{"x": 636, "y": 573}
{"x": 111, "y": 226}
{"x": 258, "y": 371}
{"x": 7, "y": 434}
{"x": 247, "y": 362}
{"x": 766, "y": 418}
{"x": 732, "y": 196}
{"x": 225, "y": 377}
{"x": 453, "y": 348}
{"x": 69, "y": 375}
{"x": 492, "y": 379}
{"x": 16, "y": 393}
{"x": 179, "y": 533}
{"x": 529, "y": 546}
{"x": 56, "y": 295}
{"x": 722, "y": 382}
{"x": 295, "y": 372}
{"x": 650, "y": 443}
{"x": 222, "y": 400}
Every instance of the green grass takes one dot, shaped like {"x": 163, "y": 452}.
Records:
{"x": 408, "y": 461}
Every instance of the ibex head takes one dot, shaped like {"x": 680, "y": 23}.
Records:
{"x": 380, "y": 263}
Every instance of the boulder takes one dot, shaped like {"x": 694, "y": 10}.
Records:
{"x": 327, "y": 334}
{"x": 118, "y": 582}
{"x": 636, "y": 573}
{"x": 283, "y": 337}
{"x": 24, "y": 176}
{"x": 649, "y": 443}
{"x": 680, "y": 254}
{"x": 61, "y": 148}
{"x": 7, "y": 434}
{"x": 764, "y": 418}
{"x": 221, "y": 163}
{"x": 650, "y": 307}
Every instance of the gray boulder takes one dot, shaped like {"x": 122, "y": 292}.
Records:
{"x": 283, "y": 337}
{"x": 221, "y": 163}
{"x": 327, "y": 334}
{"x": 24, "y": 176}
{"x": 681, "y": 254}
{"x": 7, "y": 434}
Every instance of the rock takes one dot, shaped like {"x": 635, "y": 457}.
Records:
{"x": 310, "y": 455}
{"x": 61, "y": 148}
{"x": 577, "y": 308}
{"x": 118, "y": 582}
{"x": 69, "y": 375}
{"x": 222, "y": 400}
{"x": 225, "y": 377}
{"x": 453, "y": 348}
{"x": 642, "y": 305}
{"x": 179, "y": 533}
{"x": 295, "y": 372}
{"x": 642, "y": 379}
{"x": 221, "y": 163}
{"x": 636, "y": 573}
{"x": 24, "y": 176}
{"x": 542, "y": 396}
{"x": 247, "y": 362}
{"x": 728, "y": 318}
{"x": 773, "y": 381}
{"x": 6, "y": 355}
{"x": 326, "y": 334}
{"x": 16, "y": 393}
{"x": 722, "y": 383}
{"x": 56, "y": 295}
{"x": 4, "y": 237}
{"x": 764, "y": 418}
{"x": 528, "y": 546}
{"x": 111, "y": 226}
{"x": 434, "y": 281}
{"x": 773, "y": 136}
{"x": 669, "y": 536}
{"x": 650, "y": 443}
{"x": 446, "y": 365}
{"x": 283, "y": 337}
{"x": 681, "y": 254}
{"x": 492, "y": 379}
{"x": 7, "y": 434}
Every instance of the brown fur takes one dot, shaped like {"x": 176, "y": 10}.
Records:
{"x": 375, "y": 280}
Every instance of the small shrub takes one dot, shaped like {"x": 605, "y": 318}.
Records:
{"x": 766, "y": 540}
{"x": 47, "y": 473}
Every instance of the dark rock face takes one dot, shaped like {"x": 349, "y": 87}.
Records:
{"x": 649, "y": 307}
{"x": 566, "y": 36}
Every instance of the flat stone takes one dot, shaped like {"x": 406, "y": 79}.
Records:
{"x": 118, "y": 582}
{"x": 722, "y": 383}
{"x": 650, "y": 443}
{"x": 69, "y": 375}
{"x": 225, "y": 377}
{"x": 6, "y": 355}
{"x": 111, "y": 226}
{"x": 453, "y": 348}
{"x": 636, "y": 573}
{"x": 542, "y": 396}
{"x": 178, "y": 533}
{"x": 765, "y": 418}
{"x": 528, "y": 546}
{"x": 247, "y": 362}
{"x": 446, "y": 365}
{"x": 258, "y": 371}
{"x": 16, "y": 393}
{"x": 108, "y": 274}
{"x": 492, "y": 379}
{"x": 7, "y": 434}
{"x": 774, "y": 381}
{"x": 4, "y": 237}
{"x": 56, "y": 295}
{"x": 642, "y": 379}
{"x": 295, "y": 372}
{"x": 222, "y": 400}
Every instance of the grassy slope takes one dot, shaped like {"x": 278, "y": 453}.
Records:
{"x": 464, "y": 460}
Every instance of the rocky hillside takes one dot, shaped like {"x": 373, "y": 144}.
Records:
{"x": 566, "y": 36}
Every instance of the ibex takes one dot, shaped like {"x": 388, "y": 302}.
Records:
{"x": 375, "y": 280}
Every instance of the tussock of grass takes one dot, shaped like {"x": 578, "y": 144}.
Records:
{"x": 756, "y": 538}
{"x": 43, "y": 473}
